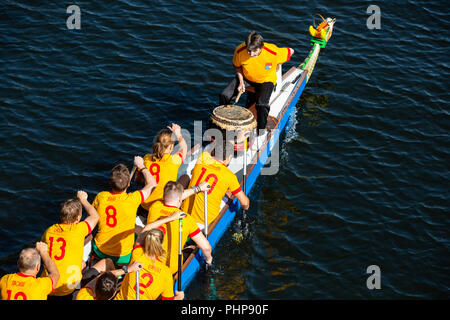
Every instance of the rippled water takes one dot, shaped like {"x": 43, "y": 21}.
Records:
{"x": 364, "y": 161}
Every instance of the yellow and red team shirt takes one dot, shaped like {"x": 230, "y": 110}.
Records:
{"x": 263, "y": 67}
{"x": 221, "y": 180}
{"x": 155, "y": 279}
{"x": 163, "y": 171}
{"x": 86, "y": 293}
{"x": 65, "y": 247}
{"x": 117, "y": 211}
{"x": 19, "y": 286}
{"x": 171, "y": 231}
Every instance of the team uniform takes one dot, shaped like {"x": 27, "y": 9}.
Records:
{"x": 155, "y": 279}
{"x": 66, "y": 245}
{"x": 19, "y": 286}
{"x": 263, "y": 67}
{"x": 86, "y": 293}
{"x": 171, "y": 231}
{"x": 163, "y": 171}
{"x": 115, "y": 236}
{"x": 221, "y": 180}
{"x": 260, "y": 73}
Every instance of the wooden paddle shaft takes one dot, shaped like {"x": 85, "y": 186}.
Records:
{"x": 238, "y": 96}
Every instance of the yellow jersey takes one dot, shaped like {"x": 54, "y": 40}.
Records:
{"x": 65, "y": 247}
{"x": 163, "y": 171}
{"x": 86, "y": 293}
{"x": 262, "y": 68}
{"x": 117, "y": 211}
{"x": 155, "y": 279}
{"x": 221, "y": 180}
{"x": 171, "y": 232}
{"x": 19, "y": 286}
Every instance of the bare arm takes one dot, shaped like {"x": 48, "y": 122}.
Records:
{"x": 240, "y": 75}
{"x": 49, "y": 264}
{"x": 243, "y": 199}
{"x": 150, "y": 182}
{"x": 200, "y": 188}
{"x": 204, "y": 245}
{"x": 132, "y": 267}
{"x": 93, "y": 216}
{"x": 155, "y": 224}
{"x": 176, "y": 129}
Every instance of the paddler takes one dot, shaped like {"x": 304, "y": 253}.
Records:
{"x": 256, "y": 63}
{"x": 163, "y": 163}
{"x": 173, "y": 196}
{"x": 213, "y": 168}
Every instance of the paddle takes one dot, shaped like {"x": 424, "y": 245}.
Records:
{"x": 206, "y": 213}
{"x": 137, "y": 284}
{"x": 244, "y": 178}
{"x": 180, "y": 247}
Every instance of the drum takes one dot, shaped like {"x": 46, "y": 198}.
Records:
{"x": 233, "y": 121}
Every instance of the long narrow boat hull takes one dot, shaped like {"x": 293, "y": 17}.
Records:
{"x": 282, "y": 104}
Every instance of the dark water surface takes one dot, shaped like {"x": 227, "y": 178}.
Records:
{"x": 364, "y": 174}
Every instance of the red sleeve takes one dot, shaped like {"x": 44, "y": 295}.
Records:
{"x": 289, "y": 54}
{"x": 235, "y": 192}
{"x": 162, "y": 229}
{"x": 170, "y": 298}
{"x": 196, "y": 232}
{"x": 88, "y": 226}
{"x": 181, "y": 157}
{"x": 142, "y": 196}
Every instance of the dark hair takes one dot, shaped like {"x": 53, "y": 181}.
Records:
{"x": 106, "y": 285}
{"x": 119, "y": 178}
{"x": 223, "y": 151}
{"x": 254, "y": 41}
{"x": 70, "y": 210}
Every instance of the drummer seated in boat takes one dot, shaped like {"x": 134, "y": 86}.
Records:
{"x": 117, "y": 210}
{"x": 173, "y": 197}
{"x": 256, "y": 63}
{"x": 213, "y": 168}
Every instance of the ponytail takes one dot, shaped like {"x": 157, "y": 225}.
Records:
{"x": 153, "y": 243}
{"x": 162, "y": 142}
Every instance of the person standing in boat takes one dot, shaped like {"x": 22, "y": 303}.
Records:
{"x": 212, "y": 168}
{"x": 162, "y": 164}
{"x": 256, "y": 63}
{"x": 155, "y": 278}
{"x": 65, "y": 241}
{"x": 117, "y": 210}
{"x": 24, "y": 285}
{"x": 173, "y": 196}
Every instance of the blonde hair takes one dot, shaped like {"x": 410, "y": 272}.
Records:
{"x": 153, "y": 243}
{"x": 162, "y": 141}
